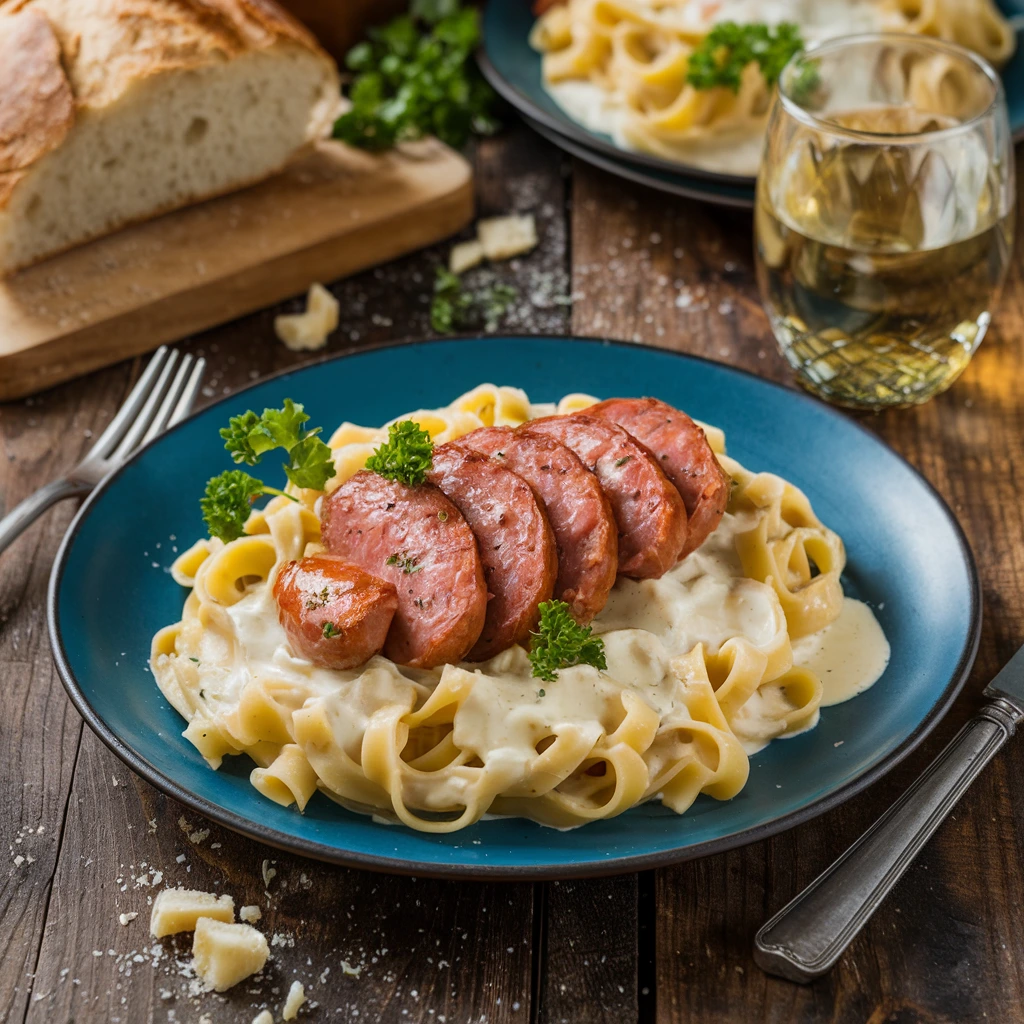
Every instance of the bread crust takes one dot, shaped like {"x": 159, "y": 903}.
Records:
{"x": 62, "y": 58}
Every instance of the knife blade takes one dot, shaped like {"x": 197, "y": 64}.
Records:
{"x": 1009, "y": 682}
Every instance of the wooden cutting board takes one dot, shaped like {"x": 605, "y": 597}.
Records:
{"x": 337, "y": 211}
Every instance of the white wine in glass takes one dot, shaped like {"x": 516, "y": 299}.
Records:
{"x": 884, "y": 219}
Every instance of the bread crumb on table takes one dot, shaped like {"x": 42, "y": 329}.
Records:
{"x": 306, "y": 332}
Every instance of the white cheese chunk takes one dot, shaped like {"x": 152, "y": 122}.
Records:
{"x": 224, "y": 954}
{"x": 304, "y": 332}
{"x": 250, "y": 914}
{"x": 264, "y": 1017}
{"x": 465, "y": 256}
{"x": 296, "y": 997}
{"x": 177, "y": 910}
{"x": 505, "y": 237}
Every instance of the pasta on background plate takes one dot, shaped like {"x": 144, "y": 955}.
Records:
{"x": 621, "y": 66}
{"x": 700, "y": 667}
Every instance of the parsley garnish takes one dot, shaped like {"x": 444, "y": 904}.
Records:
{"x": 404, "y": 561}
{"x": 455, "y": 308}
{"x": 728, "y": 48}
{"x": 330, "y": 631}
{"x": 622, "y": 461}
{"x": 561, "y": 642}
{"x": 228, "y": 502}
{"x": 249, "y": 437}
{"x": 415, "y": 76}
{"x": 196, "y": 660}
{"x": 407, "y": 455}
{"x": 442, "y": 516}
{"x": 319, "y": 600}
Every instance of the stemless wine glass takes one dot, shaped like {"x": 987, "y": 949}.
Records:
{"x": 884, "y": 220}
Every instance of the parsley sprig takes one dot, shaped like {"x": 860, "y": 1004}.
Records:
{"x": 228, "y": 499}
{"x": 415, "y": 76}
{"x": 729, "y": 47}
{"x": 456, "y": 308}
{"x": 407, "y": 455}
{"x": 561, "y": 642}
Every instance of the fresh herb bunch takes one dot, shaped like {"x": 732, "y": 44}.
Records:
{"x": 228, "y": 499}
{"x": 728, "y": 48}
{"x": 407, "y": 455}
{"x": 561, "y": 642}
{"x": 455, "y": 308}
{"x": 415, "y": 76}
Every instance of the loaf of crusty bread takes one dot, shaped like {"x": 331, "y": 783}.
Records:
{"x": 113, "y": 111}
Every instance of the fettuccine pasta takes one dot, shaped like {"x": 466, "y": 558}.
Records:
{"x": 700, "y": 668}
{"x": 620, "y": 66}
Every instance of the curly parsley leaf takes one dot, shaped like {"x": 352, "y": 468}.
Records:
{"x": 729, "y": 47}
{"x": 228, "y": 502}
{"x": 310, "y": 463}
{"x": 407, "y": 455}
{"x": 415, "y": 76}
{"x": 561, "y": 642}
{"x": 456, "y": 308}
{"x": 248, "y": 437}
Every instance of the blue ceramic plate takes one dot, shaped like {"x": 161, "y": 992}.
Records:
{"x": 513, "y": 68}
{"x": 110, "y": 591}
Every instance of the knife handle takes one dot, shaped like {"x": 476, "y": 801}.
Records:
{"x": 806, "y": 938}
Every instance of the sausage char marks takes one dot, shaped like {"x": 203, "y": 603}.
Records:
{"x": 334, "y": 613}
{"x": 581, "y": 519}
{"x": 649, "y": 512}
{"x": 683, "y": 453}
{"x": 415, "y": 538}
{"x": 517, "y": 547}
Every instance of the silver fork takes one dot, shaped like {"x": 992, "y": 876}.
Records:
{"x": 161, "y": 397}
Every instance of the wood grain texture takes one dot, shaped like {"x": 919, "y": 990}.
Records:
{"x": 329, "y": 215}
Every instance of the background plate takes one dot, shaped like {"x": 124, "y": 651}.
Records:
{"x": 110, "y": 591}
{"x": 513, "y": 68}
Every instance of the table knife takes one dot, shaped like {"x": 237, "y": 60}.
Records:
{"x": 805, "y": 939}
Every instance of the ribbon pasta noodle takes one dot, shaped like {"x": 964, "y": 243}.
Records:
{"x": 701, "y": 669}
{"x": 620, "y": 66}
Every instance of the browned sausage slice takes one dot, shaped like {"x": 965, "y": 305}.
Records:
{"x": 581, "y": 518}
{"x": 334, "y": 613}
{"x": 517, "y": 547}
{"x": 648, "y": 510}
{"x": 683, "y": 453}
{"x": 417, "y": 539}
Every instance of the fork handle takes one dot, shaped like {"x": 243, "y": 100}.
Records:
{"x": 26, "y": 513}
{"x": 806, "y": 938}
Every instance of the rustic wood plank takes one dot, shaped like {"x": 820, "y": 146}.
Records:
{"x": 39, "y": 440}
{"x": 454, "y": 952}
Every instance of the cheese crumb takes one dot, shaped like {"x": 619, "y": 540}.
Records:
{"x": 348, "y": 969}
{"x": 127, "y": 918}
{"x": 465, "y": 256}
{"x": 224, "y": 954}
{"x": 296, "y": 997}
{"x": 504, "y": 237}
{"x": 264, "y": 1017}
{"x": 178, "y": 910}
{"x": 250, "y": 914}
{"x": 304, "y": 332}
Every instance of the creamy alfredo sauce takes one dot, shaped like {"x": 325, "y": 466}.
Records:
{"x": 730, "y": 152}
{"x": 704, "y": 599}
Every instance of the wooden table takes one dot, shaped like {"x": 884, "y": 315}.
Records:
{"x": 668, "y": 946}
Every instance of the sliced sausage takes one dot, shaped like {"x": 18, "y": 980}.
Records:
{"x": 581, "y": 518}
{"x": 648, "y": 510}
{"x": 683, "y": 453}
{"x": 517, "y": 547}
{"x": 415, "y": 538}
{"x": 334, "y": 613}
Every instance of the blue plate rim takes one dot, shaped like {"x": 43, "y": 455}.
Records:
{"x": 534, "y": 872}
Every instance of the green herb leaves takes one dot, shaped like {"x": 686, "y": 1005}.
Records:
{"x": 455, "y": 308}
{"x": 330, "y": 631}
{"x": 249, "y": 437}
{"x": 728, "y": 48}
{"x": 415, "y": 76}
{"x": 406, "y": 562}
{"x": 561, "y": 642}
{"x": 229, "y": 497}
{"x": 407, "y": 455}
